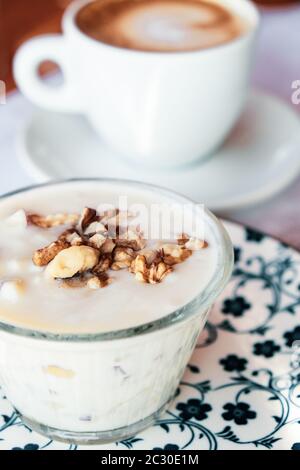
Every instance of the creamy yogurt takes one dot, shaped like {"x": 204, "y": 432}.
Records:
{"x": 41, "y": 305}
{"x": 89, "y": 365}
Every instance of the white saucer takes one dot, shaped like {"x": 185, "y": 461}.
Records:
{"x": 259, "y": 159}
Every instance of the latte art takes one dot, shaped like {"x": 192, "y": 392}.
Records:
{"x": 160, "y": 25}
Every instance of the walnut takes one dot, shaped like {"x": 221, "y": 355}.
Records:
{"x": 196, "y": 244}
{"x": 122, "y": 258}
{"x": 74, "y": 282}
{"x": 115, "y": 217}
{"x": 183, "y": 239}
{"x": 107, "y": 215}
{"x": 131, "y": 239}
{"x": 141, "y": 277}
{"x": 103, "y": 265}
{"x": 108, "y": 246}
{"x": 139, "y": 264}
{"x": 88, "y": 216}
{"x": 139, "y": 268}
{"x": 85, "y": 280}
{"x": 53, "y": 220}
{"x": 97, "y": 240}
{"x": 43, "y": 256}
{"x": 72, "y": 237}
{"x": 72, "y": 260}
{"x": 174, "y": 254}
{"x": 153, "y": 273}
{"x": 158, "y": 272}
{"x": 83, "y": 254}
{"x": 98, "y": 282}
{"x": 150, "y": 255}
{"x": 95, "y": 227}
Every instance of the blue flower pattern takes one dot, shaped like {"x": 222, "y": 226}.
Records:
{"x": 242, "y": 387}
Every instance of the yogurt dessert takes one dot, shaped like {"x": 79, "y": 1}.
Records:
{"x": 101, "y": 302}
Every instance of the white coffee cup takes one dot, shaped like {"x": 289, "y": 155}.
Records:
{"x": 162, "y": 109}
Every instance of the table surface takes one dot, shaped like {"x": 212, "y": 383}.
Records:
{"x": 277, "y": 65}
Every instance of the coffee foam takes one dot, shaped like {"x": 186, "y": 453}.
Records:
{"x": 160, "y": 25}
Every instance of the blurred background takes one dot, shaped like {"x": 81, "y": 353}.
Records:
{"x": 277, "y": 65}
{"x": 22, "y": 19}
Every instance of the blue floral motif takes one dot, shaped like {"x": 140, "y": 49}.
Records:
{"x": 233, "y": 363}
{"x": 254, "y": 235}
{"x": 235, "y": 306}
{"x": 193, "y": 409}
{"x": 27, "y": 447}
{"x": 237, "y": 251}
{"x": 266, "y": 349}
{"x": 296, "y": 446}
{"x": 240, "y": 413}
{"x": 167, "y": 447}
{"x": 291, "y": 336}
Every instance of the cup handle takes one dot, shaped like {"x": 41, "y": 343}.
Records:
{"x": 26, "y": 62}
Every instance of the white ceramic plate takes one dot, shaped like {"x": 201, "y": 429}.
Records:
{"x": 241, "y": 389}
{"x": 259, "y": 159}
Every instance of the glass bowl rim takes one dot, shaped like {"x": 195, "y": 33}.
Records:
{"x": 205, "y": 298}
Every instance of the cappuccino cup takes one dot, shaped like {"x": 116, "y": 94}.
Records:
{"x": 161, "y": 81}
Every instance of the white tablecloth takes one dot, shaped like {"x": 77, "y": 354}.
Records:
{"x": 277, "y": 66}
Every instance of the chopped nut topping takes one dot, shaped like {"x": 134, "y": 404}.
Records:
{"x": 97, "y": 240}
{"x": 158, "y": 272}
{"x": 71, "y": 261}
{"x": 150, "y": 255}
{"x": 122, "y": 258}
{"x": 94, "y": 283}
{"x": 83, "y": 254}
{"x": 151, "y": 274}
{"x": 43, "y": 256}
{"x": 88, "y": 216}
{"x": 53, "y": 220}
{"x": 108, "y": 246}
{"x": 183, "y": 239}
{"x": 115, "y": 217}
{"x": 131, "y": 239}
{"x": 108, "y": 215}
{"x": 74, "y": 282}
{"x": 103, "y": 265}
{"x": 141, "y": 277}
{"x": 174, "y": 254}
{"x": 195, "y": 244}
{"x": 98, "y": 282}
{"x": 71, "y": 237}
{"x": 139, "y": 264}
{"x": 95, "y": 227}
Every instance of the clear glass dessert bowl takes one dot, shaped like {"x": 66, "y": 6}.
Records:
{"x": 99, "y": 387}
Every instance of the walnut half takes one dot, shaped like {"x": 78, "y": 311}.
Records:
{"x": 153, "y": 273}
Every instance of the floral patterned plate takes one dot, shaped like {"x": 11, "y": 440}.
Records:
{"x": 241, "y": 389}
